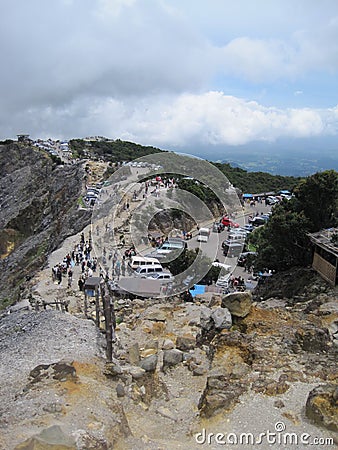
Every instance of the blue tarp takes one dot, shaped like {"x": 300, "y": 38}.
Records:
{"x": 199, "y": 289}
{"x": 247, "y": 195}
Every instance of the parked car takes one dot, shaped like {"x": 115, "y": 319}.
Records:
{"x": 271, "y": 200}
{"x": 169, "y": 246}
{"x": 249, "y": 227}
{"x": 257, "y": 221}
{"x": 203, "y": 235}
{"x": 141, "y": 261}
{"x": 144, "y": 271}
{"x": 232, "y": 249}
{"x": 163, "y": 276}
{"x": 229, "y": 223}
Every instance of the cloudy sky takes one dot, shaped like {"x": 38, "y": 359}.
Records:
{"x": 170, "y": 73}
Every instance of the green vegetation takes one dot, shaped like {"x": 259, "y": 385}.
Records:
{"x": 118, "y": 151}
{"x": 5, "y": 302}
{"x": 201, "y": 191}
{"x": 114, "y": 151}
{"x": 56, "y": 160}
{"x": 256, "y": 182}
{"x": 186, "y": 259}
{"x": 283, "y": 242}
{"x": 80, "y": 202}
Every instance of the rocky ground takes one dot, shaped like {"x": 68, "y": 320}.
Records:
{"x": 181, "y": 372}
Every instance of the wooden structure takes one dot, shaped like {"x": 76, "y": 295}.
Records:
{"x": 92, "y": 289}
{"x": 23, "y": 138}
{"x": 325, "y": 257}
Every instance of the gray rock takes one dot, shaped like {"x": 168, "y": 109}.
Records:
{"x": 220, "y": 393}
{"x": 279, "y": 404}
{"x": 165, "y": 412}
{"x": 199, "y": 371}
{"x": 87, "y": 441}
{"x": 120, "y": 391}
{"x": 134, "y": 354}
{"x": 238, "y": 303}
{"x": 216, "y": 300}
{"x": 149, "y": 363}
{"x": 186, "y": 343}
{"x": 113, "y": 369}
{"x": 222, "y": 318}
{"x": 49, "y": 439}
{"x": 136, "y": 372}
{"x": 206, "y": 322}
{"x": 313, "y": 339}
{"x": 168, "y": 344}
{"x": 23, "y": 305}
{"x": 53, "y": 408}
{"x": 172, "y": 357}
{"x": 155, "y": 313}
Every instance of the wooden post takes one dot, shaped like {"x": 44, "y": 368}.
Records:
{"x": 85, "y": 304}
{"x": 109, "y": 320}
{"x": 97, "y": 307}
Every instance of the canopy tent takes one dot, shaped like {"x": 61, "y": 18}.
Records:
{"x": 197, "y": 289}
{"x": 247, "y": 196}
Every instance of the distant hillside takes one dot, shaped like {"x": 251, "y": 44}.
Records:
{"x": 256, "y": 182}
{"x": 117, "y": 151}
{"x": 112, "y": 151}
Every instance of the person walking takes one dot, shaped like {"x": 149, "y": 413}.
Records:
{"x": 70, "y": 277}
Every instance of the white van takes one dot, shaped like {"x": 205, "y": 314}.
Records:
{"x": 169, "y": 246}
{"x": 141, "y": 261}
{"x": 237, "y": 237}
{"x": 145, "y": 271}
{"x": 203, "y": 235}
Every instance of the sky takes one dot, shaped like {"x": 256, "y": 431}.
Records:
{"x": 171, "y": 73}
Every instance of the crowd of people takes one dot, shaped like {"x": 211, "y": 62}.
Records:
{"x": 237, "y": 283}
{"x": 81, "y": 257}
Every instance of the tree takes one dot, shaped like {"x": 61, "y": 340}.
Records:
{"x": 317, "y": 197}
{"x": 283, "y": 242}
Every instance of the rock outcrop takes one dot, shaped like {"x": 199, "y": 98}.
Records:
{"x": 322, "y": 406}
{"x": 39, "y": 209}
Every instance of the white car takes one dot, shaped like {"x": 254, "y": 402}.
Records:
{"x": 163, "y": 276}
{"x": 226, "y": 267}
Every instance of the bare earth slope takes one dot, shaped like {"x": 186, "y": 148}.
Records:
{"x": 39, "y": 208}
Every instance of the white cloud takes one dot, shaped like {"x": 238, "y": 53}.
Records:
{"x": 146, "y": 70}
{"x": 211, "y": 118}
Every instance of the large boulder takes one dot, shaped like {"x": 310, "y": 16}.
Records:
{"x": 172, "y": 357}
{"x": 221, "y": 318}
{"x": 218, "y": 318}
{"x": 149, "y": 363}
{"x": 322, "y": 406}
{"x": 206, "y": 322}
{"x": 221, "y": 393}
{"x": 313, "y": 339}
{"x": 238, "y": 303}
{"x": 51, "y": 438}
